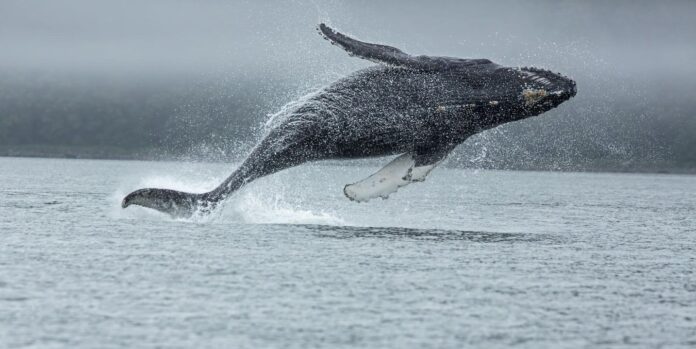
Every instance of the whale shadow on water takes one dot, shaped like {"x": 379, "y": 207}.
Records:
{"x": 400, "y": 233}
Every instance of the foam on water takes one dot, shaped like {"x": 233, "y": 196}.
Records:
{"x": 250, "y": 207}
{"x": 282, "y": 198}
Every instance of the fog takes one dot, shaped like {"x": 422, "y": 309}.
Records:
{"x": 163, "y": 79}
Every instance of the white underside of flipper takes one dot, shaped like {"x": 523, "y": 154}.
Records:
{"x": 396, "y": 174}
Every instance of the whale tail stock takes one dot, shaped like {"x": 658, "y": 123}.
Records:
{"x": 265, "y": 159}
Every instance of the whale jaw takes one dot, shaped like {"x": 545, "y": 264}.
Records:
{"x": 174, "y": 203}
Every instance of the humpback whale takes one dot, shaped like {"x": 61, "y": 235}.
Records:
{"x": 417, "y": 107}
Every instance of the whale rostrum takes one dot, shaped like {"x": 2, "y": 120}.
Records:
{"x": 417, "y": 107}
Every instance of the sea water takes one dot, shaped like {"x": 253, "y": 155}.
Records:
{"x": 466, "y": 259}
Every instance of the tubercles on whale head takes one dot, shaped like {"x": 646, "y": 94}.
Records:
{"x": 545, "y": 89}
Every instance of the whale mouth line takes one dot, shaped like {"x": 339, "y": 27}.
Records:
{"x": 534, "y": 77}
{"x": 541, "y": 80}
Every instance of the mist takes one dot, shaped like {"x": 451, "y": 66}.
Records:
{"x": 196, "y": 80}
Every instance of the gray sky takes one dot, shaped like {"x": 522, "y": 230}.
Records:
{"x": 62, "y": 60}
{"x": 618, "y": 38}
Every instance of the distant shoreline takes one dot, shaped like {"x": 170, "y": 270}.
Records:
{"x": 155, "y": 154}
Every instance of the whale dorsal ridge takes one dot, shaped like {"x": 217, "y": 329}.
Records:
{"x": 392, "y": 56}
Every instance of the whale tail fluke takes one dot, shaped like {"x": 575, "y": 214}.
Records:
{"x": 175, "y": 203}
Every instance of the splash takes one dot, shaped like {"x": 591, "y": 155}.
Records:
{"x": 267, "y": 201}
{"x": 251, "y": 207}
{"x": 277, "y": 118}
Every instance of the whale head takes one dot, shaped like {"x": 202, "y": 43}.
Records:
{"x": 543, "y": 90}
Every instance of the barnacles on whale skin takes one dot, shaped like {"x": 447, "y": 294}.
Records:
{"x": 532, "y": 96}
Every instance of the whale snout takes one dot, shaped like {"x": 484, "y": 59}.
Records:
{"x": 558, "y": 87}
{"x": 546, "y": 90}
{"x": 564, "y": 89}
{"x": 568, "y": 87}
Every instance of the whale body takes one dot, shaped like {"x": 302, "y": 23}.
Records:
{"x": 417, "y": 107}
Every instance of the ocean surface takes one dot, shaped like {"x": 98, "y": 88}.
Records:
{"x": 486, "y": 259}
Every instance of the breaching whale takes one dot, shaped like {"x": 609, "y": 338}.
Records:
{"x": 417, "y": 107}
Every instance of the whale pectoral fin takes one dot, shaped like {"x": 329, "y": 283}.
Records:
{"x": 387, "y": 180}
{"x": 389, "y": 55}
{"x": 403, "y": 170}
{"x": 373, "y": 52}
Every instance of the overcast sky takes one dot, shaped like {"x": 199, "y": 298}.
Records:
{"x": 621, "y": 38}
{"x": 633, "y": 61}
